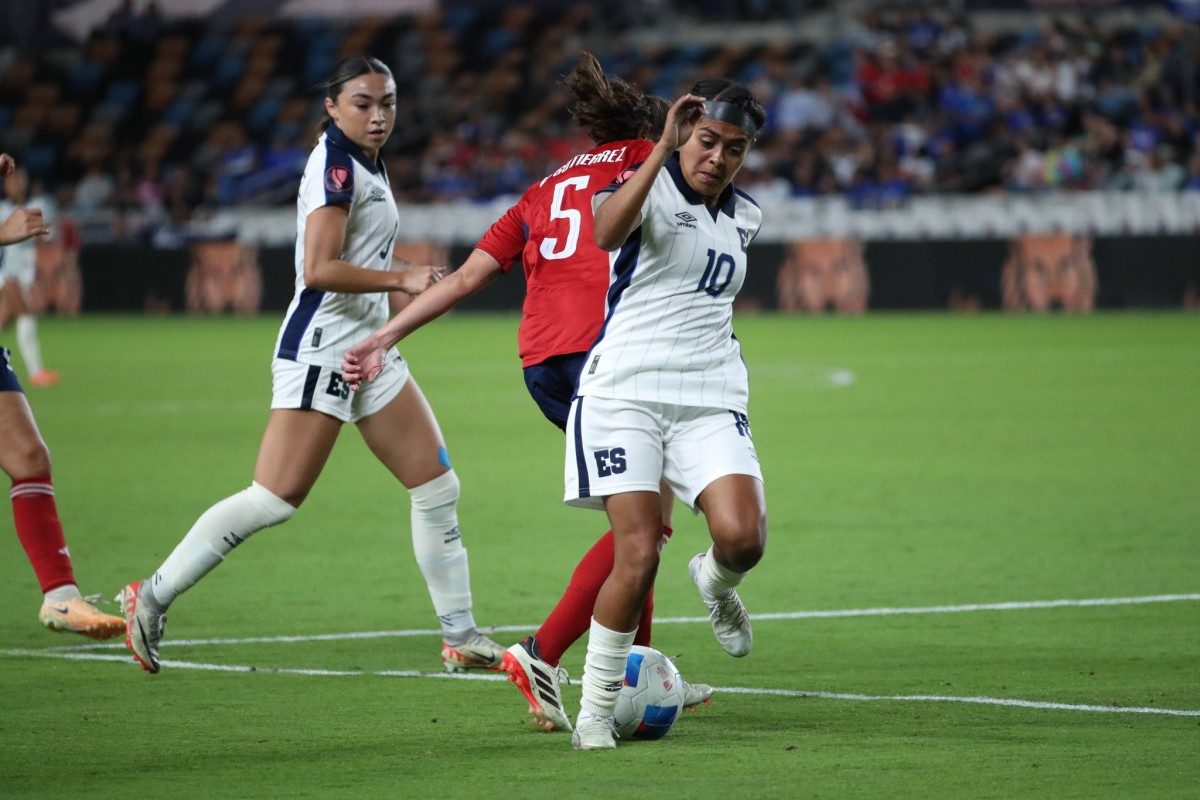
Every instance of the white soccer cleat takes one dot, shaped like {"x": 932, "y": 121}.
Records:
{"x": 695, "y": 694}
{"x": 539, "y": 682}
{"x": 478, "y": 652}
{"x": 594, "y": 733}
{"x": 730, "y": 622}
{"x": 144, "y": 627}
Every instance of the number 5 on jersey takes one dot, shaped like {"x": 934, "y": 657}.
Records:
{"x": 572, "y": 216}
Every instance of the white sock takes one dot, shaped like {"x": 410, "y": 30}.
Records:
{"x": 715, "y": 580}
{"x": 218, "y": 530}
{"x": 437, "y": 545}
{"x": 27, "y": 343}
{"x": 604, "y": 669}
{"x": 62, "y": 594}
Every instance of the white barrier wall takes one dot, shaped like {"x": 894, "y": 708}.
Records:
{"x": 932, "y": 217}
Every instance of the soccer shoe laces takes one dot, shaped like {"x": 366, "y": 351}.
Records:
{"x": 729, "y": 610}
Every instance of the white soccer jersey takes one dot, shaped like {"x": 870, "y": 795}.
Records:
{"x": 668, "y": 335}
{"x": 321, "y": 326}
{"x": 18, "y": 262}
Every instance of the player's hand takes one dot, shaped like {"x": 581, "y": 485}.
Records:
{"x": 23, "y": 224}
{"x": 681, "y": 121}
{"x": 363, "y": 362}
{"x": 7, "y": 165}
{"x": 417, "y": 279}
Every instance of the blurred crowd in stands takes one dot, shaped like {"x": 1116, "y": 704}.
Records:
{"x": 153, "y": 123}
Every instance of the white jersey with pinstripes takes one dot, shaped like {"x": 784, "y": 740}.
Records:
{"x": 320, "y": 326}
{"x": 668, "y": 335}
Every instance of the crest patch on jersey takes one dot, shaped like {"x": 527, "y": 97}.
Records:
{"x": 624, "y": 176}
{"x": 339, "y": 179}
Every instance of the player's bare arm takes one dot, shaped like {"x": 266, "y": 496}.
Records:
{"x": 365, "y": 360}
{"x": 324, "y": 237}
{"x": 618, "y": 213}
{"x": 22, "y": 224}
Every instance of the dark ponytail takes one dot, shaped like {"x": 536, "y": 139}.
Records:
{"x": 610, "y": 109}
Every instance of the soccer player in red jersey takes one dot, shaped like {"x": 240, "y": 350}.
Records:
{"x": 550, "y": 231}
{"x": 26, "y": 460}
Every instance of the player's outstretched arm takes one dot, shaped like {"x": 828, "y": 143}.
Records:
{"x": 364, "y": 361}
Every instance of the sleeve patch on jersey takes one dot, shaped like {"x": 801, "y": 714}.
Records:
{"x": 339, "y": 180}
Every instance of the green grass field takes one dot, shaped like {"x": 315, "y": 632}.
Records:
{"x": 934, "y": 484}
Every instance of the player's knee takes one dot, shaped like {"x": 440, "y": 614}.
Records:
{"x": 28, "y": 459}
{"x": 636, "y": 567}
{"x": 742, "y": 539}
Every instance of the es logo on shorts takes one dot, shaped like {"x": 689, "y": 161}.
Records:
{"x": 610, "y": 462}
{"x": 337, "y": 387}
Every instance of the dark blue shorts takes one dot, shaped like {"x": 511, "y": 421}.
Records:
{"x": 551, "y": 384}
{"x": 8, "y": 378}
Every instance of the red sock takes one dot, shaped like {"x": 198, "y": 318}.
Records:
{"x": 40, "y": 531}
{"x": 572, "y": 616}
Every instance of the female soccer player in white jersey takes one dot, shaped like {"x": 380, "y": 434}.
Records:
{"x": 664, "y": 391}
{"x": 346, "y": 224}
{"x": 550, "y": 230}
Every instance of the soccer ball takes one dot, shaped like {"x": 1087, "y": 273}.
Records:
{"x": 652, "y": 697}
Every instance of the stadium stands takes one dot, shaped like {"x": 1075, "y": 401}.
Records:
{"x": 155, "y": 121}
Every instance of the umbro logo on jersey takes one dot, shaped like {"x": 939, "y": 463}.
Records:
{"x": 686, "y": 220}
{"x": 378, "y": 194}
{"x": 745, "y": 234}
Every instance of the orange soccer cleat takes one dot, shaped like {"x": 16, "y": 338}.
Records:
{"x": 43, "y": 378}
{"x": 79, "y": 616}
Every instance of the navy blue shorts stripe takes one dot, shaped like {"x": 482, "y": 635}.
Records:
{"x": 585, "y": 486}
{"x": 310, "y": 387}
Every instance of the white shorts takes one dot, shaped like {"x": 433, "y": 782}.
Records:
{"x": 616, "y": 446}
{"x": 23, "y": 272}
{"x": 305, "y": 386}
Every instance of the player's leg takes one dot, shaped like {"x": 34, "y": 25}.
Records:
{"x": 614, "y": 456}
{"x": 18, "y": 307}
{"x": 637, "y": 524}
{"x": 712, "y": 462}
{"x": 736, "y": 512}
{"x": 299, "y": 437}
{"x": 26, "y": 460}
{"x": 404, "y": 435}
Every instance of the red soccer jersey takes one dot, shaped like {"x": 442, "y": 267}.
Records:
{"x": 550, "y": 230}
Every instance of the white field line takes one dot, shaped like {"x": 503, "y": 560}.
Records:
{"x": 986, "y": 701}
{"x": 77, "y": 653}
{"x": 784, "y": 615}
